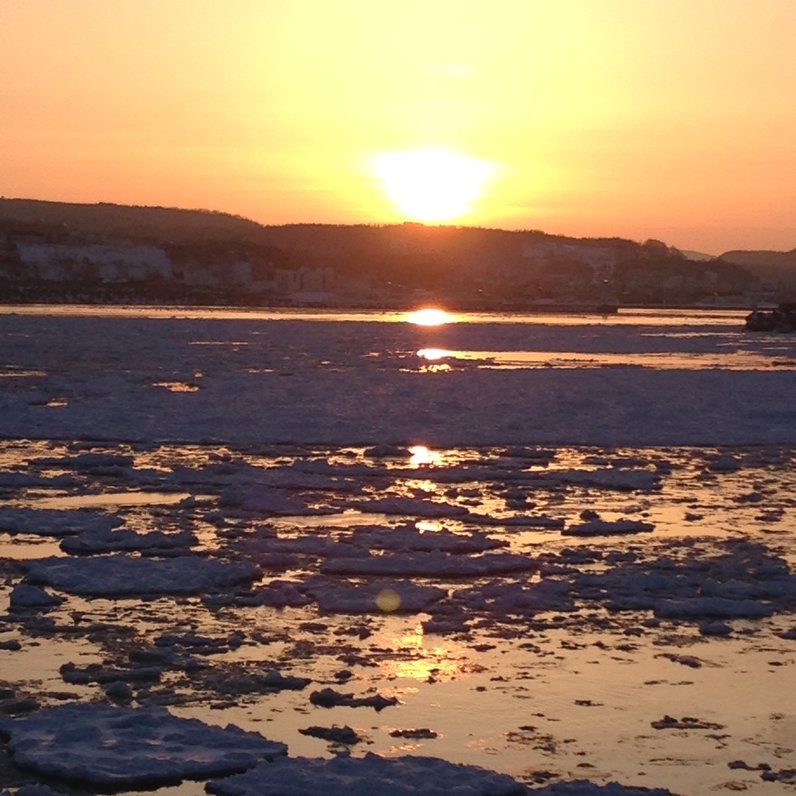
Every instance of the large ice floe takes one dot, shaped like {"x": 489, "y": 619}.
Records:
{"x": 120, "y": 747}
{"x": 498, "y": 579}
{"x": 344, "y": 776}
{"x": 119, "y": 575}
{"x": 43, "y": 522}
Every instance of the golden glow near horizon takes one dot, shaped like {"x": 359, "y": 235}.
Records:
{"x": 671, "y": 120}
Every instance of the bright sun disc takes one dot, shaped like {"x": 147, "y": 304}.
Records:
{"x": 431, "y": 184}
{"x": 429, "y": 316}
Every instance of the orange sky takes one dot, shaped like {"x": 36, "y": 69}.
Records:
{"x": 670, "y": 119}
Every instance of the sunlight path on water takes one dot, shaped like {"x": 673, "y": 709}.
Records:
{"x": 564, "y": 666}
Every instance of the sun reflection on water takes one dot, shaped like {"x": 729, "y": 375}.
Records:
{"x": 423, "y": 456}
{"x": 428, "y": 526}
{"x": 423, "y": 486}
{"x": 433, "y": 354}
{"x": 416, "y": 660}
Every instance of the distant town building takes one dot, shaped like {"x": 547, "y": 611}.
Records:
{"x": 56, "y": 262}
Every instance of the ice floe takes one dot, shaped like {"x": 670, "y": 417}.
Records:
{"x": 119, "y": 539}
{"x": 52, "y": 522}
{"x": 118, "y": 575}
{"x": 431, "y": 564}
{"x": 409, "y": 538}
{"x": 23, "y": 595}
{"x": 329, "y": 698}
{"x": 386, "y": 597}
{"x": 94, "y": 744}
{"x": 598, "y": 527}
{"x": 348, "y": 776}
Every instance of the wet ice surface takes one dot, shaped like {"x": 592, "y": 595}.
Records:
{"x": 653, "y": 650}
{"x": 639, "y": 379}
{"x": 240, "y": 526}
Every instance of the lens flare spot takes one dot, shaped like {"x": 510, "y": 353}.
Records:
{"x": 388, "y": 601}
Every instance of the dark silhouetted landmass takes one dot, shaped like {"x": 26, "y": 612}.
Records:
{"x": 104, "y": 252}
{"x": 771, "y": 267}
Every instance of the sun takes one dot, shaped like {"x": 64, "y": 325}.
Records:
{"x": 431, "y": 184}
{"x": 429, "y": 316}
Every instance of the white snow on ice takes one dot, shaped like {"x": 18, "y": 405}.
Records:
{"x": 346, "y": 383}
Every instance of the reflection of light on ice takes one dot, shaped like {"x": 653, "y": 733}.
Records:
{"x": 422, "y": 455}
{"x": 426, "y": 486}
{"x": 421, "y": 662}
{"x": 429, "y": 316}
{"x": 433, "y": 354}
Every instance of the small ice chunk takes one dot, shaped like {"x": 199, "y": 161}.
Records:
{"x": 342, "y": 735}
{"x": 26, "y": 596}
{"x": 329, "y": 698}
{"x": 724, "y": 463}
{"x": 715, "y": 628}
{"x": 686, "y": 723}
{"x": 598, "y": 527}
{"x": 517, "y": 520}
{"x": 698, "y": 607}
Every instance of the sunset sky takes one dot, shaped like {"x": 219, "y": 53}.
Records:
{"x": 668, "y": 119}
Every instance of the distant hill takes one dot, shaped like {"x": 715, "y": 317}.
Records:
{"x": 777, "y": 269}
{"x": 467, "y": 265}
{"x": 697, "y": 257}
{"x": 133, "y": 223}
{"x": 762, "y": 258}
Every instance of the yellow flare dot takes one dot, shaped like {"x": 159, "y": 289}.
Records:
{"x": 388, "y": 600}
